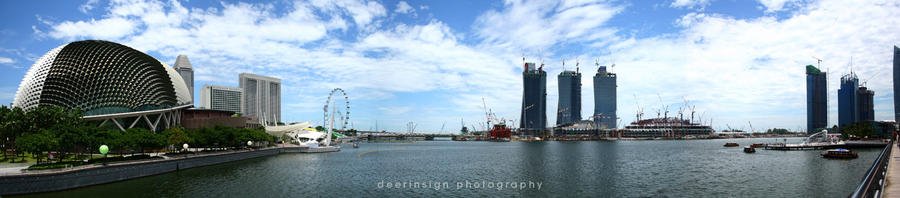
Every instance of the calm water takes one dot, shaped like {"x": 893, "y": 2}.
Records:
{"x": 687, "y": 168}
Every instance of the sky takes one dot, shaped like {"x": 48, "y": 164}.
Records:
{"x": 440, "y": 63}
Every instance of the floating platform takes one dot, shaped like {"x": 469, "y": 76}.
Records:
{"x": 306, "y": 149}
{"x": 324, "y": 149}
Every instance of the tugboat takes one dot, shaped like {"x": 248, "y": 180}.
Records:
{"x": 749, "y": 149}
{"x": 840, "y": 154}
{"x": 731, "y": 144}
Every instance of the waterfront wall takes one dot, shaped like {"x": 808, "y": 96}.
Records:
{"x": 67, "y": 179}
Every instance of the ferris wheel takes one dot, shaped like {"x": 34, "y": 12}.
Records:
{"x": 344, "y": 116}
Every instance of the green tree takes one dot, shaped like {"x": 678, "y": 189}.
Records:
{"x": 113, "y": 138}
{"x": 37, "y": 143}
{"x": 68, "y": 138}
{"x": 320, "y": 128}
{"x": 177, "y": 136}
{"x": 143, "y": 139}
{"x": 12, "y": 124}
{"x": 858, "y": 129}
{"x": 89, "y": 139}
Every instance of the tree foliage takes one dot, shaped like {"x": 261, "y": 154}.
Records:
{"x": 858, "y": 129}
{"x": 778, "y": 131}
{"x": 49, "y": 128}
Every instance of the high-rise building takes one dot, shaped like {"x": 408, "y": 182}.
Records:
{"x": 534, "y": 100}
{"x": 865, "y": 109}
{"x": 896, "y": 84}
{"x": 262, "y": 98}
{"x": 569, "y": 108}
{"x": 221, "y": 98}
{"x": 847, "y": 100}
{"x": 183, "y": 67}
{"x": 816, "y": 99}
{"x": 605, "y": 99}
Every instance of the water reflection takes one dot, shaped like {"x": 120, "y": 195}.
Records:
{"x": 689, "y": 168}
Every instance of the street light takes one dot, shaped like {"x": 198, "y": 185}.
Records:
{"x": 249, "y": 143}
{"x": 103, "y": 150}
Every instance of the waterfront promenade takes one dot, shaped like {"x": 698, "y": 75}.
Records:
{"x": 892, "y": 183}
{"x": 25, "y": 182}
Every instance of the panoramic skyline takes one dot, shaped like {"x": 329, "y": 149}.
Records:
{"x": 432, "y": 62}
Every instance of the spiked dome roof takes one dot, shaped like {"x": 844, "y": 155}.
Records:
{"x": 101, "y": 77}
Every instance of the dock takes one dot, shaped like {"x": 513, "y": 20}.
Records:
{"x": 307, "y": 149}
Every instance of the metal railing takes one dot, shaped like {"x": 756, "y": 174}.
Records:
{"x": 873, "y": 184}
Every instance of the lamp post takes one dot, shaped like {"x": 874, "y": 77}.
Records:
{"x": 249, "y": 144}
{"x": 103, "y": 150}
{"x": 185, "y": 147}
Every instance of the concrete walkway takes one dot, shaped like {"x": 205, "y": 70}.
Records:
{"x": 892, "y": 184}
{"x": 13, "y": 168}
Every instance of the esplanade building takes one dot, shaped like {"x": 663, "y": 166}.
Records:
{"x": 109, "y": 82}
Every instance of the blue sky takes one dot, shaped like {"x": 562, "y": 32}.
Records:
{"x": 432, "y": 62}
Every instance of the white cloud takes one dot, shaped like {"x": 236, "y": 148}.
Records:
{"x": 776, "y": 5}
{"x": 363, "y": 12}
{"x": 690, "y": 3}
{"x": 733, "y": 69}
{"x": 403, "y": 7}
{"x": 108, "y": 28}
{"x": 5, "y": 60}
{"x": 753, "y": 69}
{"x": 540, "y": 24}
{"x": 296, "y": 47}
{"x": 88, "y": 6}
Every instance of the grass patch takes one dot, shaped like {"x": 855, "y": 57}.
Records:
{"x": 55, "y": 165}
{"x": 93, "y": 161}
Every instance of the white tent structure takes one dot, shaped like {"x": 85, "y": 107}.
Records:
{"x": 302, "y": 132}
{"x": 291, "y": 130}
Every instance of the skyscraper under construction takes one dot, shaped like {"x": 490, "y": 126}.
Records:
{"x": 847, "y": 100}
{"x": 816, "y": 99}
{"x": 569, "y": 108}
{"x": 605, "y": 99}
{"x": 534, "y": 100}
{"x": 865, "y": 108}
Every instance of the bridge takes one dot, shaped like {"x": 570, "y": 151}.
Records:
{"x": 388, "y": 136}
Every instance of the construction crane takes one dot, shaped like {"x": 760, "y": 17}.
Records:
{"x": 863, "y": 83}
{"x": 487, "y": 114}
{"x": 751, "y": 126}
{"x": 640, "y": 111}
{"x": 663, "y": 106}
{"x": 542, "y": 60}
{"x": 819, "y": 60}
{"x": 577, "y": 63}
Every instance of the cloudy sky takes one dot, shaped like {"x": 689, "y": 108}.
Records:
{"x": 432, "y": 62}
